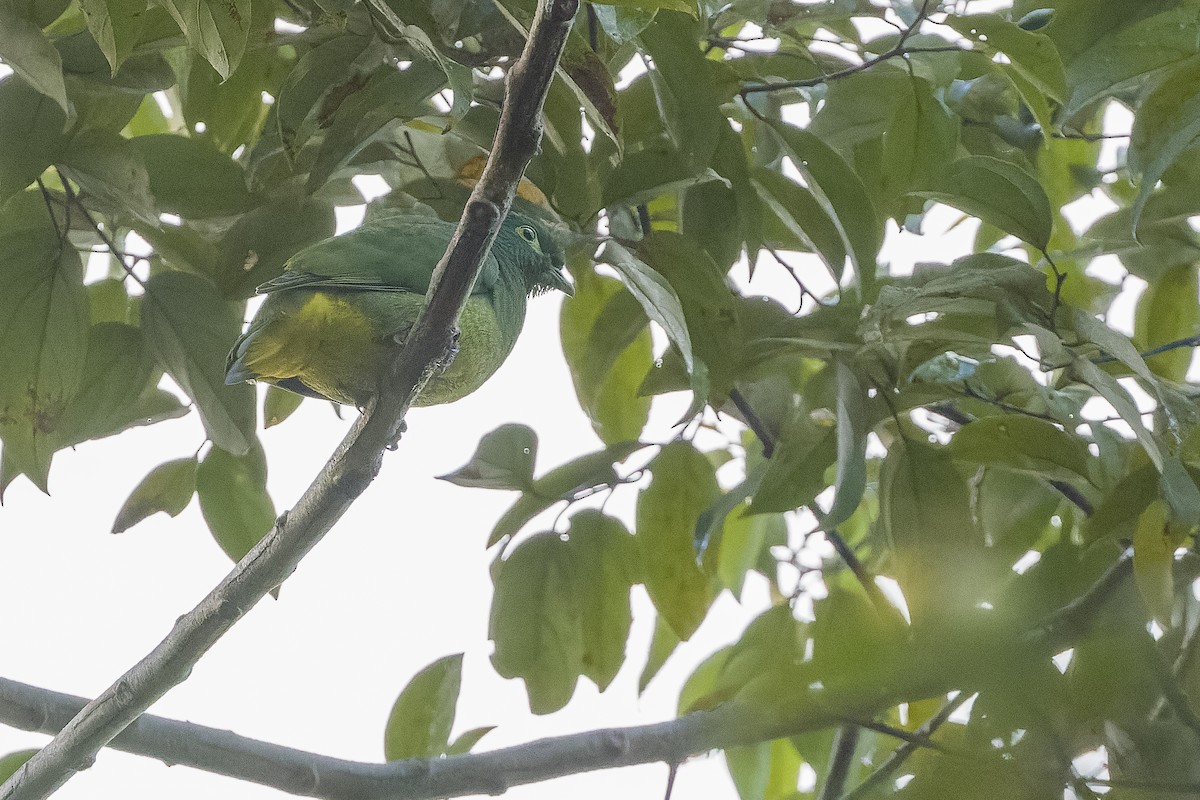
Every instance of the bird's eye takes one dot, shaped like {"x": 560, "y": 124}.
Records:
{"x": 527, "y": 233}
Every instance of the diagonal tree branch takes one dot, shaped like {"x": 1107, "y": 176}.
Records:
{"x": 357, "y": 459}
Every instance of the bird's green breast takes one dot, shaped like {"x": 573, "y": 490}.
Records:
{"x": 340, "y": 343}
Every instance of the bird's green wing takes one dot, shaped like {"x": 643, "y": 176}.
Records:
{"x": 394, "y": 253}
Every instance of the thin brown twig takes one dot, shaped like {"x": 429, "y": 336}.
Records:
{"x": 901, "y": 753}
{"x": 841, "y": 757}
{"x": 114, "y": 251}
{"x": 897, "y": 50}
{"x": 804, "y": 290}
{"x": 754, "y": 421}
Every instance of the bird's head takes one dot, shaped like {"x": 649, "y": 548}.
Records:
{"x": 537, "y": 253}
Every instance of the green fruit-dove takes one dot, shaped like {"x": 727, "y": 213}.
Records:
{"x": 334, "y": 321}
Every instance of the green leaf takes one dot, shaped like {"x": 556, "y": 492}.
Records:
{"x": 796, "y": 471}
{"x": 607, "y": 345}
{"x": 662, "y": 645}
{"x": 998, "y": 193}
{"x": 191, "y": 330}
{"x": 1033, "y": 55}
{"x": 1112, "y": 342}
{"x": 11, "y": 762}
{"x": 464, "y": 743}
{"x": 658, "y": 299}
{"x": 44, "y": 327}
{"x": 803, "y": 217}
{"x": 925, "y": 511}
{"x": 716, "y": 518}
{"x": 686, "y": 95}
{"x": 31, "y": 137}
{"x": 622, "y": 24}
{"x": 168, "y": 488}
{"x": 1153, "y": 554}
{"x": 534, "y": 621}
{"x": 108, "y": 301}
{"x": 112, "y": 172}
{"x": 322, "y": 71}
{"x": 232, "y": 111}
{"x": 26, "y": 49}
{"x": 118, "y": 390}
{"x": 369, "y": 112}
{"x": 1036, "y": 19}
{"x": 701, "y": 687}
{"x": 1108, "y": 388}
{"x": 586, "y": 472}
{"x": 1167, "y": 312}
{"x": 683, "y": 486}
{"x": 1166, "y": 124}
{"x": 216, "y": 29}
{"x": 605, "y": 560}
{"x": 459, "y": 77}
{"x": 919, "y": 141}
{"x": 1023, "y": 443}
{"x": 686, "y": 6}
{"x": 711, "y": 310}
{"x": 278, "y": 405}
{"x": 1179, "y": 491}
{"x": 116, "y": 26}
{"x": 191, "y": 177}
{"x": 255, "y": 249}
{"x": 744, "y": 542}
{"x": 234, "y": 500}
{"x": 43, "y": 12}
{"x": 1113, "y": 57}
{"x": 504, "y": 459}
{"x": 561, "y": 608}
{"x": 841, "y": 193}
{"x": 421, "y": 718}
{"x": 852, "y": 429}
{"x": 1122, "y": 504}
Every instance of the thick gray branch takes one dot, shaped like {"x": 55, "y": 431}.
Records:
{"x": 910, "y": 673}
{"x": 310, "y": 774}
{"x": 357, "y": 460}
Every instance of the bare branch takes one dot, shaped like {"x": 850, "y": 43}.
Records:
{"x": 841, "y": 759}
{"x": 899, "y": 50}
{"x": 357, "y": 460}
{"x": 908, "y": 675}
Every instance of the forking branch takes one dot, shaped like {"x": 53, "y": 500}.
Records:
{"x": 357, "y": 459}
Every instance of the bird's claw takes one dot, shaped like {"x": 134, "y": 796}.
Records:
{"x": 451, "y": 352}
{"x": 400, "y": 430}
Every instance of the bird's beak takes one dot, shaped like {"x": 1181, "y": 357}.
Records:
{"x": 555, "y": 279}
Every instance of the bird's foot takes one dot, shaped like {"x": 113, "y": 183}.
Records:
{"x": 400, "y": 430}
{"x": 451, "y": 353}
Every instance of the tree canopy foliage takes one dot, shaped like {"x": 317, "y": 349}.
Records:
{"x": 983, "y": 432}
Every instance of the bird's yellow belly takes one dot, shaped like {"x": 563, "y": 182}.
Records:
{"x": 338, "y": 345}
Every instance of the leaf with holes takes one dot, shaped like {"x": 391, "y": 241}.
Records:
{"x": 504, "y": 459}
{"x": 44, "y": 327}
{"x": 217, "y": 29}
